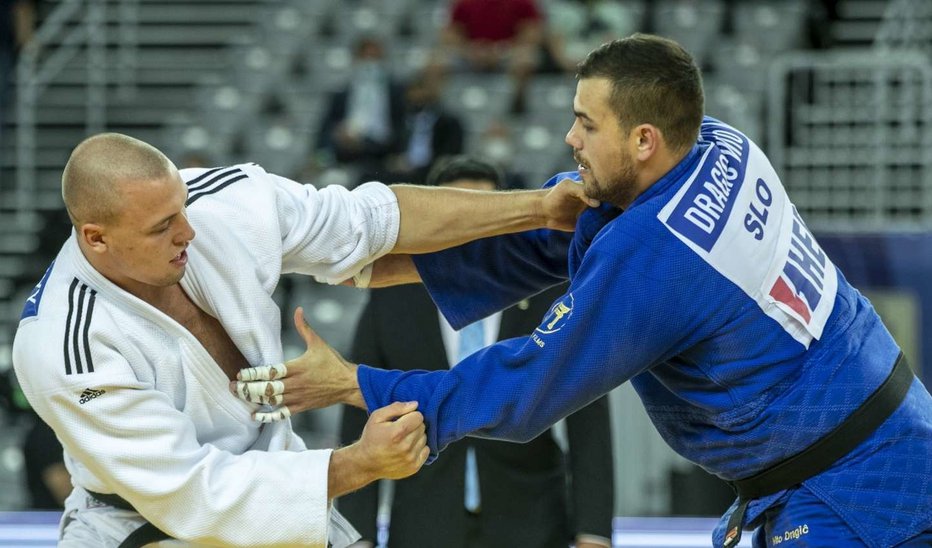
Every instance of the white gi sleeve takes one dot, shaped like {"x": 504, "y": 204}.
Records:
{"x": 146, "y": 451}
{"x": 333, "y": 233}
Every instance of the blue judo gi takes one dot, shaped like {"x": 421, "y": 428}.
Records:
{"x": 743, "y": 340}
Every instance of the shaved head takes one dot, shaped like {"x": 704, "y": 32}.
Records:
{"x": 97, "y": 169}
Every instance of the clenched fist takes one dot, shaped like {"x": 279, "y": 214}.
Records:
{"x": 393, "y": 446}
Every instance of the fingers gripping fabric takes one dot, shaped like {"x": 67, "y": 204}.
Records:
{"x": 274, "y": 416}
{"x": 263, "y": 373}
{"x": 266, "y": 392}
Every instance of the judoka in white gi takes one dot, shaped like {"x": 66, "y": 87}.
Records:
{"x": 128, "y": 343}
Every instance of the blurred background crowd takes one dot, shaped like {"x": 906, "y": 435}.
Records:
{"x": 837, "y": 92}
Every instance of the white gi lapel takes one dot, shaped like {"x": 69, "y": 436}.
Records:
{"x": 195, "y": 359}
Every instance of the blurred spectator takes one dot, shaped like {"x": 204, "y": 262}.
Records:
{"x": 12, "y": 401}
{"x": 497, "y": 146}
{"x": 47, "y": 480}
{"x": 495, "y": 35}
{"x": 430, "y": 132}
{"x": 480, "y": 493}
{"x": 364, "y": 121}
{"x": 195, "y": 158}
{"x": 17, "y": 22}
{"x": 821, "y": 15}
{"x": 576, "y": 27}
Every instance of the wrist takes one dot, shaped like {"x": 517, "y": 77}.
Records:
{"x": 538, "y": 217}
{"x": 352, "y": 394}
{"x": 541, "y": 219}
{"x": 349, "y": 471}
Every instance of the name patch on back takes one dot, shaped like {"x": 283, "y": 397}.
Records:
{"x": 704, "y": 210}
{"x": 735, "y": 214}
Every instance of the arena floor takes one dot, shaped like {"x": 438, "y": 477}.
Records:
{"x": 30, "y": 529}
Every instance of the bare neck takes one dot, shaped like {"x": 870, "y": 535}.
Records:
{"x": 657, "y": 168}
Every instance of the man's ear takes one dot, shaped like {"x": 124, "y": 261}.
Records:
{"x": 94, "y": 237}
{"x": 649, "y": 140}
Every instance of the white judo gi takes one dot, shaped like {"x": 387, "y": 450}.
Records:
{"x": 144, "y": 411}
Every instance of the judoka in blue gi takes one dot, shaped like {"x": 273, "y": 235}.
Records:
{"x": 698, "y": 281}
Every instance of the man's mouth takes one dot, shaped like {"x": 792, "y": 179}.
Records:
{"x": 180, "y": 259}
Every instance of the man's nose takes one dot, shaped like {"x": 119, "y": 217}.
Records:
{"x": 572, "y": 140}
{"x": 187, "y": 232}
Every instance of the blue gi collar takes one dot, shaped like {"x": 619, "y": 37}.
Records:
{"x": 673, "y": 176}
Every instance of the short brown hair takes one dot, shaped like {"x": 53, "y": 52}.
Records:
{"x": 654, "y": 81}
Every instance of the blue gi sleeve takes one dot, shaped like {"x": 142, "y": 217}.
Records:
{"x": 471, "y": 281}
{"x": 613, "y": 323}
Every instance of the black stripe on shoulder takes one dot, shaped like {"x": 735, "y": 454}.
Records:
{"x": 81, "y": 300}
{"x": 78, "y": 364}
{"x": 204, "y": 175}
{"x": 71, "y": 289}
{"x": 214, "y": 178}
{"x": 216, "y": 188}
{"x": 91, "y": 299}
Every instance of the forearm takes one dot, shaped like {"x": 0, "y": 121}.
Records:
{"x": 348, "y": 472}
{"x": 393, "y": 270}
{"x": 474, "y": 280}
{"x": 346, "y": 388}
{"x": 438, "y": 218}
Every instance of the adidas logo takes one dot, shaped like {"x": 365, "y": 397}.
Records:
{"x": 89, "y": 394}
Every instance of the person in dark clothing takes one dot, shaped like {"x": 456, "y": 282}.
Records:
{"x": 47, "y": 479}
{"x": 364, "y": 121}
{"x": 430, "y": 132}
{"x": 17, "y": 22}
{"x": 482, "y": 493}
